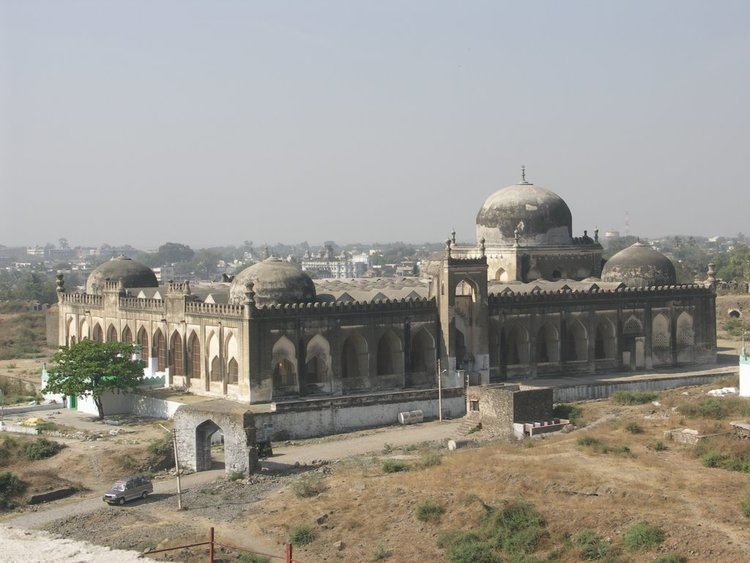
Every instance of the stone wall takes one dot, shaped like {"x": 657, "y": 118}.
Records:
{"x": 305, "y": 419}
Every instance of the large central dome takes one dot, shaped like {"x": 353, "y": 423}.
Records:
{"x": 538, "y": 217}
{"x": 274, "y": 281}
{"x": 121, "y": 269}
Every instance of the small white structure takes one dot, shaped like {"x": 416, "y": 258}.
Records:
{"x": 744, "y": 372}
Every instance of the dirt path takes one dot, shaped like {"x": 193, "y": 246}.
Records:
{"x": 62, "y": 509}
{"x": 357, "y": 445}
{"x": 284, "y": 458}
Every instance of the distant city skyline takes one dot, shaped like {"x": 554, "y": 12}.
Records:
{"x": 212, "y": 123}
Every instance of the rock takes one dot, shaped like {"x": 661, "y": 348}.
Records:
{"x": 339, "y": 545}
{"x": 321, "y": 519}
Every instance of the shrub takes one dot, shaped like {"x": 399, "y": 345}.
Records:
{"x": 643, "y": 535}
{"x": 41, "y": 448}
{"x": 394, "y": 466}
{"x": 592, "y": 545}
{"x": 10, "y": 486}
{"x": 251, "y": 558}
{"x": 514, "y": 529}
{"x": 671, "y": 558}
{"x": 308, "y": 486}
{"x": 745, "y": 508}
{"x": 429, "y": 511}
{"x": 565, "y": 410}
{"x": 634, "y": 397}
{"x": 634, "y": 428}
{"x": 588, "y": 441}
{"x": 380, "y": 553}
{"x": 714, "y": 455}
{"x": 657, "y": 446}
{"x": 236, "y": 475}
{"x": 301, "y": 535}
{"x": 160, "y": 453}
{"x": 430, "y": 459}
{"x": 705, "y": 408}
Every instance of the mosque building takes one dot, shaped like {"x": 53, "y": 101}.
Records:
{"x": 527, "y": 300}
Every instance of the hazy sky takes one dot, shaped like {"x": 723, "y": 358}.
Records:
{"x": 213, "y": 122}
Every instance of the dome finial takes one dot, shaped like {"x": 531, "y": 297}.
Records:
{"x": 523, "y": 174}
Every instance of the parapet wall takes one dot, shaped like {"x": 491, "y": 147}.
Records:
{"x": 307, "y": 419}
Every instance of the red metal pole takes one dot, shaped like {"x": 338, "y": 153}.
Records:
{"x": 288, "y": 553}
{"x": 211, "y": 545}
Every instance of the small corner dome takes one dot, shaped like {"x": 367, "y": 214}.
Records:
{"x": 274, "y": 281}
{"x": 121, "y": 269}
{"x": 639, "y": 265}
{"x": 545, "y": 216}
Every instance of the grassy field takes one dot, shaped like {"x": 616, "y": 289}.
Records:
{"x": 614, "y": 490}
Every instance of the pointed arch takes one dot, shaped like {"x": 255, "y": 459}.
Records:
{"x": 142, "y": 341}
{"x": 112, "y": 333}
{"x": 176, "y": 355}
{"x": 685, "y": 334}
{"x": 83, "y": 330}
{"x": 160, "y": 349}
{"x": 233, "y": 372}
{"x": 661, "y": 336}
{"x": 194, "y": 355}
{"x": 97, "y": 335}
{"x": 284, "y": 357}
{"x": 389, "y": 360}
{"x": 576, "y": 342}
{"x": 354, "y": 358}
{"x": 514, "y": 343}
{"x": 633, "y": 327}
{"x": 422, "y": 352}
{"x": 422, "y": 358}
{"x": 231, "y": 353}
{"x": 127, "y": 335}
{"x": 317, "y": 364}
{"x": 501, "y": 275}
{"x": 69, "y": 336}
{"x": 547, "y": 344}
{"x": 605, "y": 343}
{"x": 216, "y": 373}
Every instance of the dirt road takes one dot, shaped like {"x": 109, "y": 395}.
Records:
{"x": 333, "y": 448}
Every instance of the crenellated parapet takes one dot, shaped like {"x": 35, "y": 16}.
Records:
{"x": 466, "y": 261}
{"x": 89, "y": 299}
{"x": 566, "y": 293}
{"x": 318, "y": 307}
{"x": 214, "y": 309}
{"x": 182, "y": 288}
{"x": 141, "y": 304}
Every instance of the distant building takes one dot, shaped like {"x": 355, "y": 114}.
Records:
{"x": 327, "y": 265}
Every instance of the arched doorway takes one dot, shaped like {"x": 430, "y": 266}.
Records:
{"x": 98, "y": 334}
{"x": 388, "y": 355}
{"x": 317, "y": 366}
{"x": 547, "y": 344}
{"x": 194, "y": 356}
{"x": 177, "y": 360}
{"x": 515, "y": 345}
{"x": 160, "y": 348}
{"x": 354, "y": 362}
{"x": 606, "y": 340}
{"x": 142, "y": 337}
{"x": 633, "y": 351}
{"x": 209, "y": 446}
{"x": 576, "y": 343}
{"x": 127, "y": 335}
{"x": 422, "y": 366}
{"x": 661, "y": 340}
{"x": 233, "y": 372}
{"x": 284, "y": 366}
{"x": 111, "y": 334}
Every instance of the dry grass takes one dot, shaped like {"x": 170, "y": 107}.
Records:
{"x": 573, "y": 487}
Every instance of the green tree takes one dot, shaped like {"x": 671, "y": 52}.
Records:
{"x": 173, "y": 252}
{"x": 93, "y": 368}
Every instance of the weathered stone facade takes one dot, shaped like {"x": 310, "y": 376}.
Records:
{"x": 275, "y": 335}
{"x": 196, "y": 423}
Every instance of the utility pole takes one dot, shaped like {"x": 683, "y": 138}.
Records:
{"x": 440, "y": 391}
{"x": 177, "y": 470}
{"x": 176, "y": 465}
